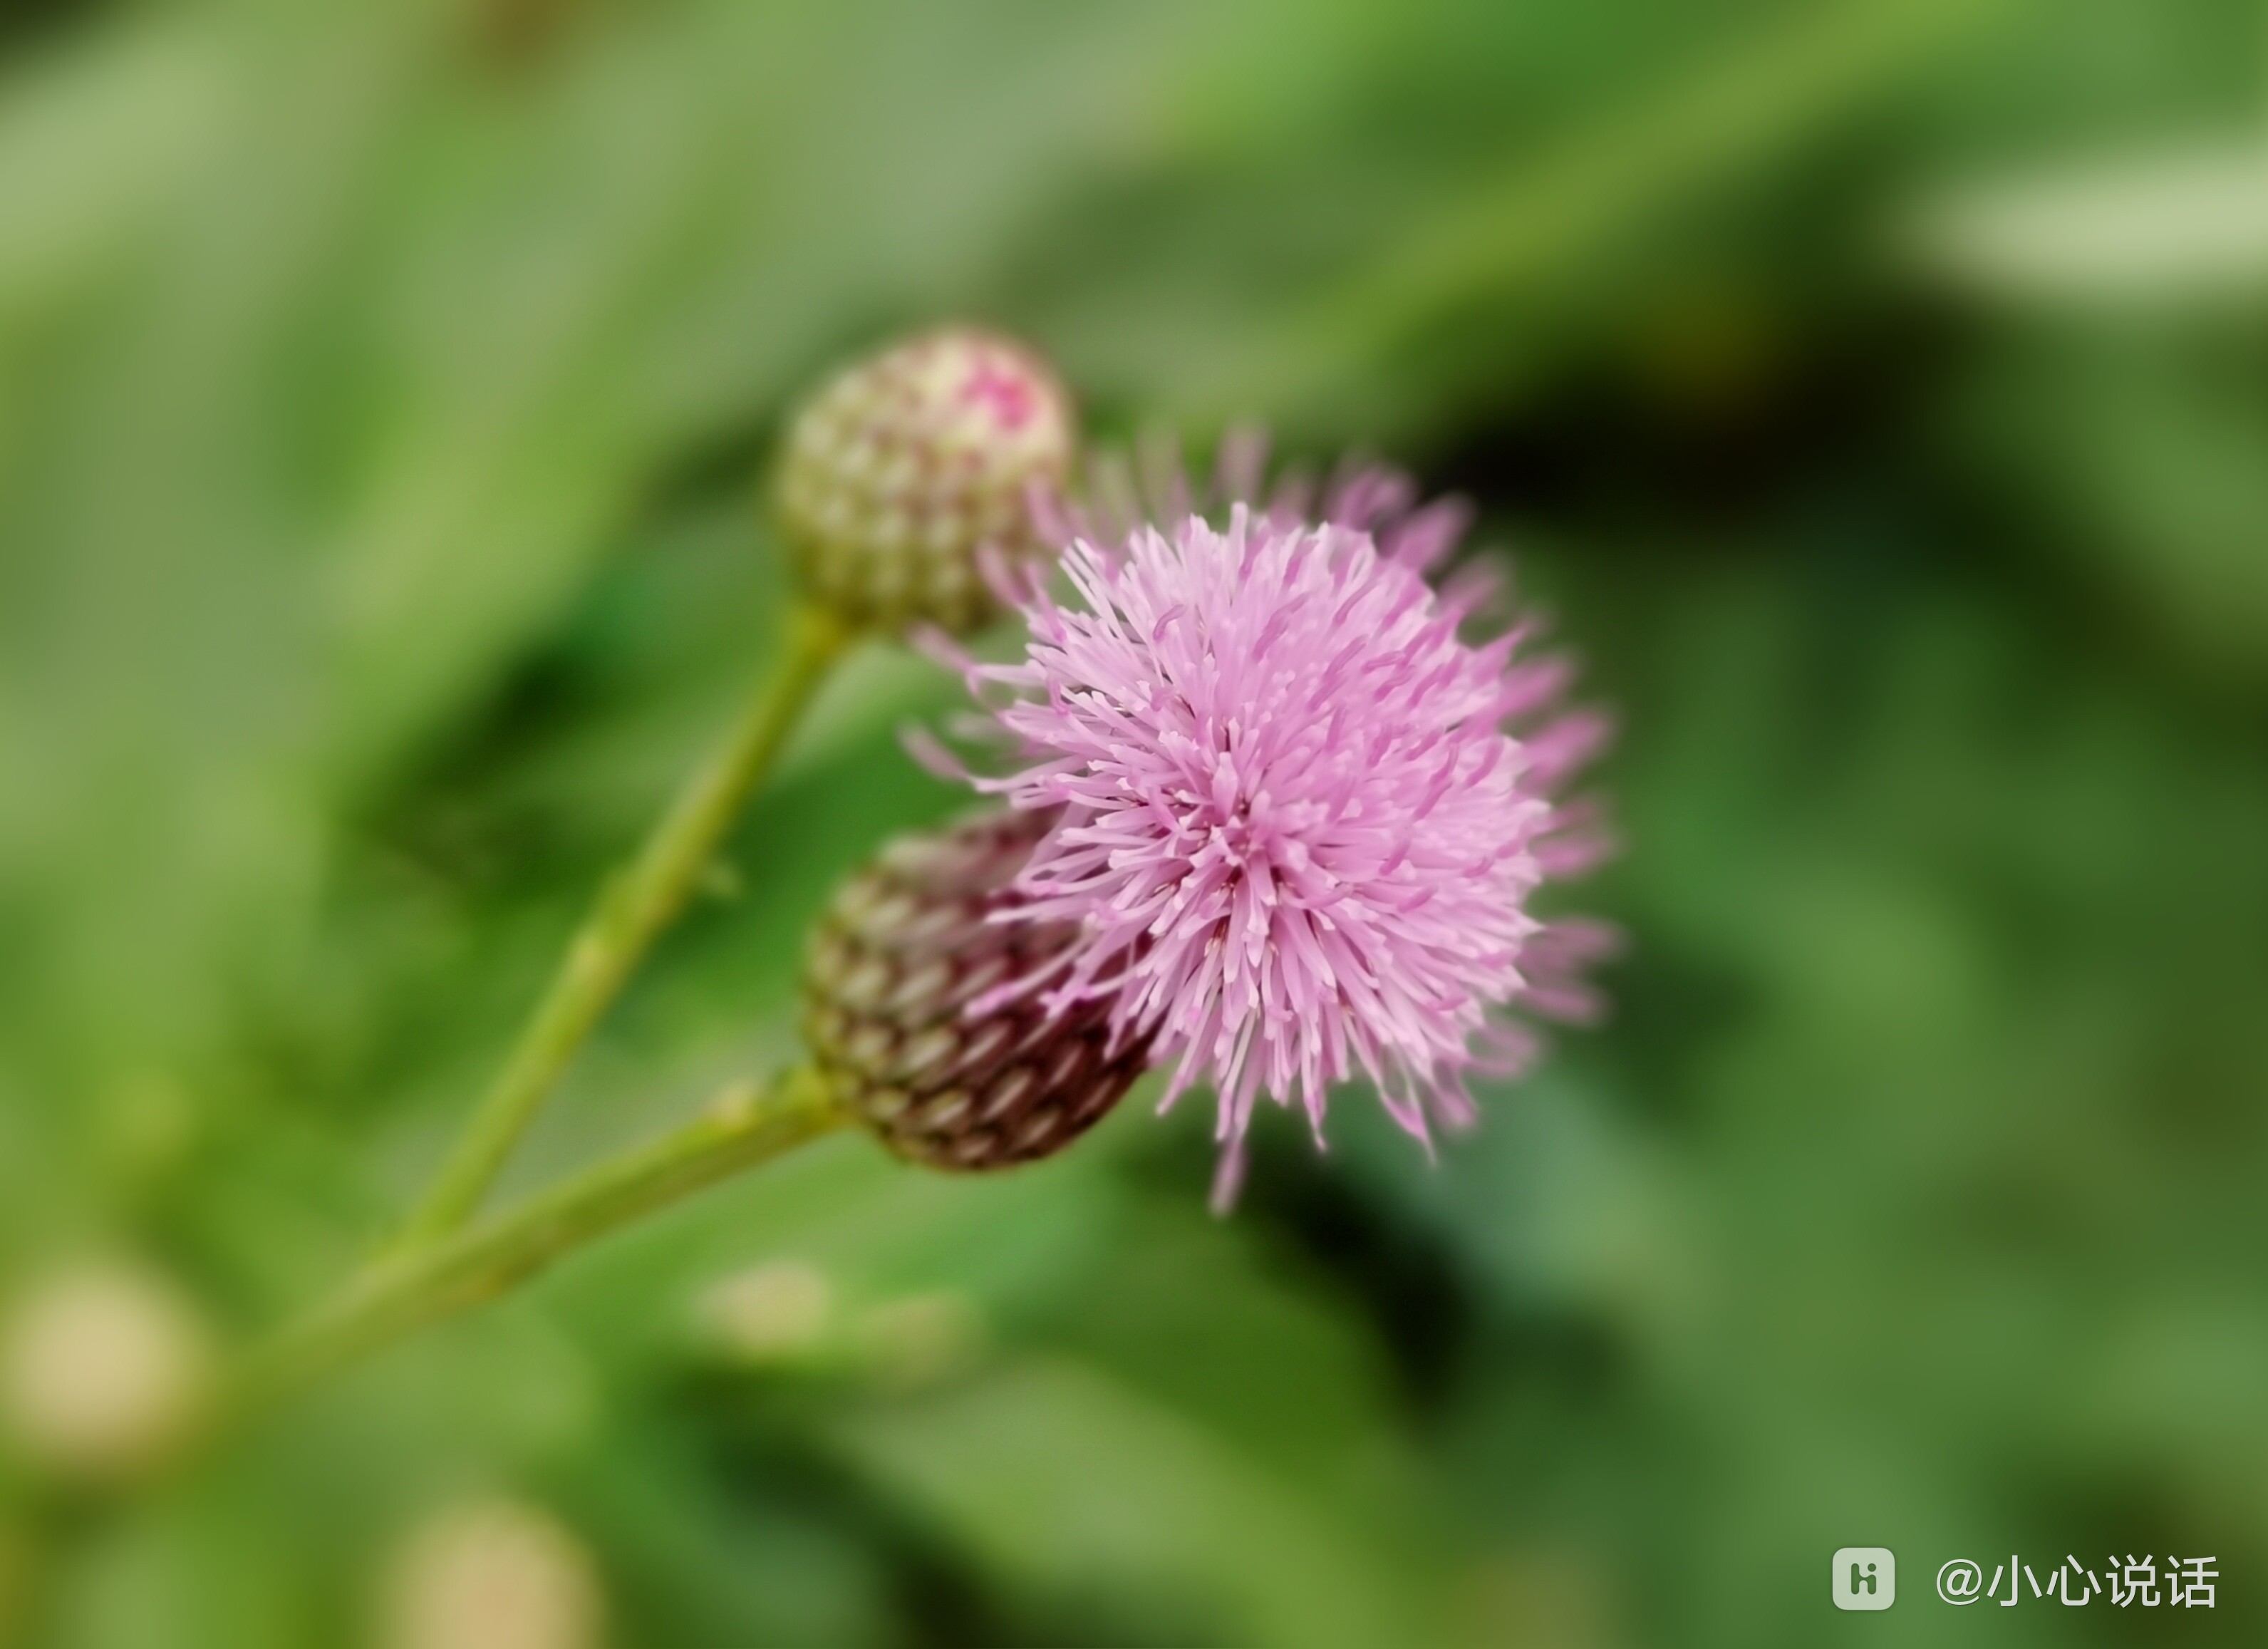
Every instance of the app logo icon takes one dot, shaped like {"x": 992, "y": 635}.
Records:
{"x": 1865, "y": 1577}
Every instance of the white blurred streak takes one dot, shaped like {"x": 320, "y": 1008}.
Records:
{"x": 2140, "y": 231}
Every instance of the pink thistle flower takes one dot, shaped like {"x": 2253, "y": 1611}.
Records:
{"x": 1302, "y": 817}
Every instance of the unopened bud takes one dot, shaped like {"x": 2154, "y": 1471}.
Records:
{"x": 904, "y": 466}
{"x": 101, "y": 1368}
{"x": 901, "y": 955}
{"x": 495, "y": 1575}
{"x": 774, "y": 1313}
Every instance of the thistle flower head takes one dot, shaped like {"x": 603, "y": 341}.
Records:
{"x": 897, "y": 966}
{"x": 1300, "y": 817}
{"x": 904, "y": 466}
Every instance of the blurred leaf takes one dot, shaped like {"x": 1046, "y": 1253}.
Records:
{"x": 1073, "y": 1483}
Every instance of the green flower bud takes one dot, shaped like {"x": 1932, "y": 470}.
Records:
{"x": 902, "y": 952}
{"x": 101, "y": 1367}
{"x": 779, "y": 1312}
{"x": 493, "y": 1575}
{"x": 904, "y": 466}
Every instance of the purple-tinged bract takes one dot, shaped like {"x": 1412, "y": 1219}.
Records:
{"x": 1301, "y": 823}
{"x": 905, "y": 947}
{"x": 906, "y": 465}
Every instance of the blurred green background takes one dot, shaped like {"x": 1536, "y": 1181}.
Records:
{"x": 1876, "y": 392}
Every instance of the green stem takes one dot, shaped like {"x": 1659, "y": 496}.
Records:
{"x": 747, "y": 1125}
{"x": 637, "y": 905}
{"x": 21, "y": 1556}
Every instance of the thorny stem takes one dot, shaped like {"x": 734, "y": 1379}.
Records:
{"x": 746, "y": 1125}
{"x": 636, "y": 904}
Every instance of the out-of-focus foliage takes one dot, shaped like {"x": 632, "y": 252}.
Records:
{"x": 383, "y": 393}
